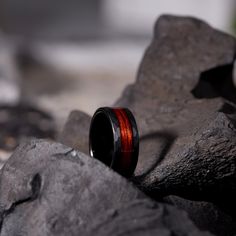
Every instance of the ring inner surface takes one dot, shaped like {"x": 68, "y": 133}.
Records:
{"x": 101, "y": 139}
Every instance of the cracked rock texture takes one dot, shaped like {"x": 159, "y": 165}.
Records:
{"x": 180, "y": 93}
{"x": 184, "y": 103}
{"x": 47, "y": 188}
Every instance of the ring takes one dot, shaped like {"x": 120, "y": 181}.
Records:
{"x": 114, "y": 139}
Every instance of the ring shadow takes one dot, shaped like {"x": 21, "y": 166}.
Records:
{"x": 168, "y": 138}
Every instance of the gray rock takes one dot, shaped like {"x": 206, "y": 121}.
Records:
{"x": 179, "y": 98}
{"x": 50, "y": 189}
{"x": 206, "y": 215}
{"x": 75, "y": 133}
{"x": 184, "y": 103}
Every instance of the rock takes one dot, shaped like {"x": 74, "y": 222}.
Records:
{"x": 75, "y": 133}
{"x": 184, "y": 104}
{"x": 19, "y": 119}
{"x": 50, "y": 189}
{"x": 205, "y": 215}
{"x": 21, "y": 122}
{"x": 196, "y": 130}
{"x": 4, "y": 155}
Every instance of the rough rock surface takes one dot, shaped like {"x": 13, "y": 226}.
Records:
{"x": 50, "y": 189}
{"x": 184, "y": 103}
{"x": 206, "y": 215}
{"x": 180, "y": 94}
{"x": 76, "y": 131}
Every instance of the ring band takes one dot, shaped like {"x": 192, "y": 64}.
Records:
{"x": 114, "y": 139}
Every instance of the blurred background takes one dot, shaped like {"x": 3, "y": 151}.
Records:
{"x": 56, "y": 56}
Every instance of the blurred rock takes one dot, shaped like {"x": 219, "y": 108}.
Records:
{"x": 75, "y": 133}
{"x": 50, "y": 189}
{"x": 21, "y": 122}
{"x": 18, "y": 121}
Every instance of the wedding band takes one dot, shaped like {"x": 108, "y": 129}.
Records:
{"x": 114, "y": 139}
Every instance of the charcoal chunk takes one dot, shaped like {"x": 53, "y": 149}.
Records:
{"x": 51, "y": 189}
{"x": 184, "y": 104}
{"x": 195, "y": 136}
{"x": 75, "y": 133}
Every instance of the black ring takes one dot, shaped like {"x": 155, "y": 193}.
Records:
{"x": 114, "y": 139}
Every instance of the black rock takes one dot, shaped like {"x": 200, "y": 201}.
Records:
{"x": 205, "y": 215}
{"x": 184, "y": 103}
{"x": 196, "y": 131}
{"x": 50, "y": 189}
{"x": 22, "y": 121}
{"x": 75, "y": 133}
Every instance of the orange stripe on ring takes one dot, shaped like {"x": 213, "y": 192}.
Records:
{"x": 126, "y": 134}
